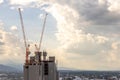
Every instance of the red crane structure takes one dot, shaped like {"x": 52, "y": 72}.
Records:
{"x": 24, "y": 36}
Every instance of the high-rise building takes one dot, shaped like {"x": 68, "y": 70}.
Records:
{"x": 40, "y": 69}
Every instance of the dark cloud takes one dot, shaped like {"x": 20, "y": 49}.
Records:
{"x": 106, "y": 30}
{"x": 91, "y": 10}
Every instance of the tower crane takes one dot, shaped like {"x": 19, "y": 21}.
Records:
{"x": 24, "y": 36}
{"x": 25, "y": 42}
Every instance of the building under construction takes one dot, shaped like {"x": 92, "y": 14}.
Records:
{"x": 39, "y": 66}
{"x": 38, "y": 69}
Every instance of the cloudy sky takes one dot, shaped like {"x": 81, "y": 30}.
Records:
{"x": 82, "y": 34}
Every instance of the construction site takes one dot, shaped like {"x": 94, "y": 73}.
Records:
{"x": 39, "y": 66}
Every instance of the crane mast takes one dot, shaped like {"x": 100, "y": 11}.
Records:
{"x": 26, "y": 46}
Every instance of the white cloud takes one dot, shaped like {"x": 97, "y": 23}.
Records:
{"x": 70, "y": 24}
{"x": 1, "y": 1}
{"x": 12, "y": 48}
{"x": 13, "y": 28}
{"x": 102, "y": 2}
{"x": 114, "y": 46}
{"x": 101, "y": 39}
{"x": 114, "y": 5}
{"x": 21, "y": 2}
{"x": 67, "y": 24}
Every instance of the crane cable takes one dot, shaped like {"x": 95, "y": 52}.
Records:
{"x": 42, "y": 32}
